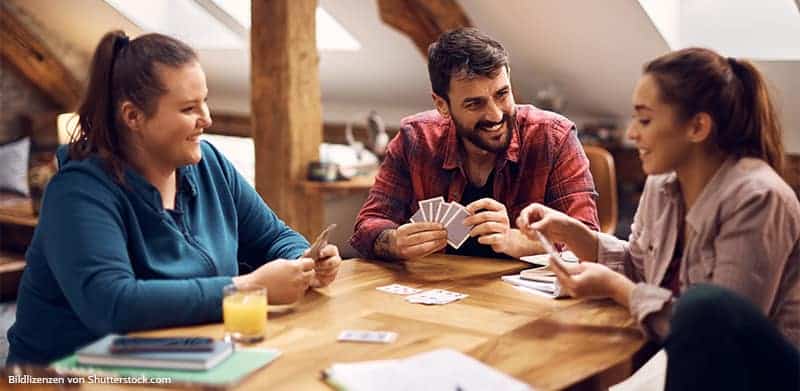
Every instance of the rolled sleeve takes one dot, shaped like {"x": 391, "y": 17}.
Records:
{"x": 612, "y": 252}
{"x": 651, "y": 306}
{"x": 387, "y": 205}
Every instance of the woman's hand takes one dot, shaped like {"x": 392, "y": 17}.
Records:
{"x": 593, "y": 280}
{"x": 327, "y": 267}
{"x": 286, "y": 280}
{"x": 559, "y": 227}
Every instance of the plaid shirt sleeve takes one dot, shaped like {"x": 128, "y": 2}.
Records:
{"x": 570, "y": 187}
{"x": 387, "y": 205}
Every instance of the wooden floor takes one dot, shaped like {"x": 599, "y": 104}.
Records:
{"x": 550, "y": 344}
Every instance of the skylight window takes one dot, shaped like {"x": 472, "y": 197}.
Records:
{"x": 183, "y": 19}
{"x": 331, "y": 35}
{"x": 762, "y": 29}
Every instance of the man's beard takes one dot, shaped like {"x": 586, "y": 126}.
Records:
{"x": 474, "y": 134}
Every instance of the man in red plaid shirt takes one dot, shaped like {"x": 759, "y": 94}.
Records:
{"x": 478, "y": 148}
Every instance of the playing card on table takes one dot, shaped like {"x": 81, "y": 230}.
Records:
{"x": 367, "y": 336}
{"x": 435, "y": 296}
{"x": 457, "y": 232}
{"x": 398, "y": 289}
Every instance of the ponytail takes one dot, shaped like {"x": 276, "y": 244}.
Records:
{"x": 122, "y": 70}
{"x": 97, "y": 132}
{"x": 761, "y": 134}
{"x": 733, "y": 92}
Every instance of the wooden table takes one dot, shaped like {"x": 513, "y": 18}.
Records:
{"x": 551, "y": 344}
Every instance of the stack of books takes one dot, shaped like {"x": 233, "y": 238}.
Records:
{"x": 222, "y": 366}
{"x": 100, "y": 353}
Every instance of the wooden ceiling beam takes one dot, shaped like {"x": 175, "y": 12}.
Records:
{"x": 423, "y": 20}
{"x": 27, "y": 53}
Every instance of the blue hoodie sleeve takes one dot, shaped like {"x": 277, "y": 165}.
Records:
{"x": 87, "y": 254}
{"x": 263, "y": 236}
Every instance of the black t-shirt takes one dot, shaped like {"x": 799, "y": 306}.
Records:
{"x": 471, "y": 247}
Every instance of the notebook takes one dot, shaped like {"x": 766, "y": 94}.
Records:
{"x": 544, "y": 259}
{"x": 228, "y": 373}
{"x": 99, "y": 353}
{"x": 547, "y": 289}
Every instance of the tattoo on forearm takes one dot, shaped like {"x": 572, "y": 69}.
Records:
{"x": 383, "y": 245}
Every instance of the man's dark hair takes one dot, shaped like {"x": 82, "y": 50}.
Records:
{"x": 466, "y": 50}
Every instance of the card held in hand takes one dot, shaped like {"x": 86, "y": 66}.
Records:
{"x": 457, "y": 232}
{"x": 315, "y": 252}
{"x": 418, "y": 217}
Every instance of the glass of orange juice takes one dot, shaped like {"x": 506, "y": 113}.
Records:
{"x": 244, "y": 313}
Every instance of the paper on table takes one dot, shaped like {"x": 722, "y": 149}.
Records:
{"x": 442, "y": 369}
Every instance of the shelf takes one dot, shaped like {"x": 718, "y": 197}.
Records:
{"x": 11, "y": 262}
{"x": 17, "y": 210}
{"x": 355, "y": 184}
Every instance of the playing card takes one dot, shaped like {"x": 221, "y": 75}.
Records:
{"x": 451, "y": 209}
{"x": 439, "y": 207}
{"x": 418, "y": 217}
{"x": 555, "y": 259}
{"x": 398, "y": 289}
{"x": 443, "y": 209}
{"x": 435, "y": 296}
{"x": 428, "y": 205}
{"x": 423, "y": 211}
{"x": 322, "y": 240}
{"x": 457, "y": 232}
{"x": 367, "y": 336}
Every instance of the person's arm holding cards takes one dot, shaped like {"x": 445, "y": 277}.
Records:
{"x": 585, "y": 279}
{"x": 492, "y": 227}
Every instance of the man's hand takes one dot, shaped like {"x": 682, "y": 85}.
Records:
{"x": 492, "y": 227}
{"x": 411, "y": 240}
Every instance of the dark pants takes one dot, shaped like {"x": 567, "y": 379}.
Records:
{"x": 721, "y": 341}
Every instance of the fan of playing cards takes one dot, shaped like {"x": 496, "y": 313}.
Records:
{"x": 449, "y": 214}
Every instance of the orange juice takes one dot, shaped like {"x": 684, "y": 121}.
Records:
{"x": 244, "y": 314}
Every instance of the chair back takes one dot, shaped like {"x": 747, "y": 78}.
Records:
{"x": 601, "y": 165}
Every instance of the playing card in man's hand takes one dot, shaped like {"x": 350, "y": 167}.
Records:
{"x": 457, "y": 232}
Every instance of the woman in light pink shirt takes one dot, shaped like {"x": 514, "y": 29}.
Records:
{"x": 715, "y": 210}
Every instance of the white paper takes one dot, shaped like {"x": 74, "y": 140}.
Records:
{"x": 442, "y": 369}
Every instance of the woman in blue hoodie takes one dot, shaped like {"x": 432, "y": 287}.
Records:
{"x": 144, "y": 224}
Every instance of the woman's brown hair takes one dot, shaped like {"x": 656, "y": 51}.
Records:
{"x": 122, "y": 70}
{"x": 732, "y": 91}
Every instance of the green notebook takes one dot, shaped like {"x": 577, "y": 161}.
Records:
{"x": 231, "y": 371}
